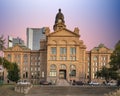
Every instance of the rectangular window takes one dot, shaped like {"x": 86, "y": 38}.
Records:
{"x": 72, "y": 50}
{"x": 43, "y": 75}
{"x": 63, "y": 50}
{"x": 96, "y": 63}
{"x": 73, "y": 73}
{"x": 88, "y": 70}
{"x": 96, "y": 69}
{"x": 38, "y": 63}
{"x": 53, "y": 50}
{"x": 9, "y": 57}
{"x": 38, "y": 69}
{"x": 53, "y": 73}
{"x": 31, "y": 69}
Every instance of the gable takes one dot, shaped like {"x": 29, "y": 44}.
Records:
{"x": 17, "y": 48}
{"x": 64, "y": 33}
{"x": 103, "y": 50}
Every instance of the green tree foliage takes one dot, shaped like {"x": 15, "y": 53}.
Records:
{"x": 2, "y": 42}
{"x": 13, "y": 73}
{"x": 104, "y": 72}
{"x": 115, "y": 57}
{"x": 12, "y": 68}
{"x": 115, "y": 60}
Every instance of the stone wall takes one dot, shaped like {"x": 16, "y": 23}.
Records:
{"x": 23, "y": 88}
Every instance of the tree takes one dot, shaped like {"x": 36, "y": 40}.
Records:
{"x": 115, "y": 61}
{"x": 13, "y": 72}
{"x": 104, "y": 72}
{"x": 12, "y": 68}
{"x": 2, "y": 42}
{"x": 115, "y": 58}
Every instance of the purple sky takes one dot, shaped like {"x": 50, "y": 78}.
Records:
{"x": 98, "y": 20}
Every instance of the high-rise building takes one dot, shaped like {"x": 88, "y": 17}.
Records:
{"x": 33, "y": 37}
{"x": 13, "y": 41}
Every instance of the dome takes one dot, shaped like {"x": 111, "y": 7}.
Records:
{"x": 59, "y": 16}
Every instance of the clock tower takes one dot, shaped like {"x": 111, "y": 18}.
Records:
{"x": 59, "y": 21}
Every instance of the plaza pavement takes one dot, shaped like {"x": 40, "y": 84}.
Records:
{"x": 69, "y": 91}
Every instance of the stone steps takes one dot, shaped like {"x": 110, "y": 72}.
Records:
{"x": 62, "y": 82}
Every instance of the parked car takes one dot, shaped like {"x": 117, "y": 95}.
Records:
{"x": 23, "y": 83}
{"x": 112, "y": 83}
{"x": 77, "y": 83}
{"x": 45, "y": 83}
{"x": 94, "y": 83}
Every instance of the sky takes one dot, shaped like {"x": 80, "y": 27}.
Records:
{"x": 98, "y": 20}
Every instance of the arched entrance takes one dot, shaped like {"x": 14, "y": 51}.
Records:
{"x": 62, "y": 71}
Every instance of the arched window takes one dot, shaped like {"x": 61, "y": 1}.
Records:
{"x": 62, "y": 66}
{"x": 72, "y": 70}
{"x": 53, "y": 71}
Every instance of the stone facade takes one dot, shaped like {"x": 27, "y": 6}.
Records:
{"x": 62, "y": 55}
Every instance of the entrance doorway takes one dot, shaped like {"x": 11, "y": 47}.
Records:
{"x": 62, "y": 74}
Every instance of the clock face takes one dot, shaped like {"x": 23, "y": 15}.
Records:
{"x": 59, "y": 20}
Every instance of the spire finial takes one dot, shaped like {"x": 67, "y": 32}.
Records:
{"x": 59, "y": 10}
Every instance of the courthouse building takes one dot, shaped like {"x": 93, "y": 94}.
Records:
{"x": 62, "y": 55}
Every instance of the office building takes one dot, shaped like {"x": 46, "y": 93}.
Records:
{"x": 34, "y": 35}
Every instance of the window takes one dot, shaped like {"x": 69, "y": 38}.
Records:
{"x": 35, "y": 63}
{"x": 72, "y": 70}
{"x": 72, "y": 50}
{"x": 63, "y": 50}
{"x": 62, "y": 66}
{"x": 88, "y": 70}
{"x": 95, "y": 58}
{"x": 9, "y": 57}
{"x": 53, "y": 71}
{"x": 38, "y": 63}
{"x": 104, "y": 64}
{"x": 96, "y": 69}
{"x": 53, "y": 50}
{"x": 96, "y": 63}
{"x": 38, "y": 69}
{"x": 38, "y": 57}
{"x": 17, "y": 58}
{"x": 35, "y": 68}
{"x": 25, "y": 59}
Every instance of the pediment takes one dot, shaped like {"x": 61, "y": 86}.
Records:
{"x": 64, "y": 33}
{"x": 17, "y": 48}
{"x": 103, "y": 49}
